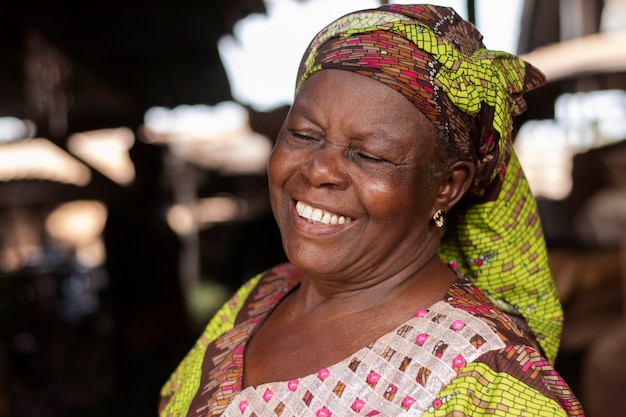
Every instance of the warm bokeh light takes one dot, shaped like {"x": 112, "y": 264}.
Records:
{"x": 181, "y": 219}
{"x": 214, "y": 137}
{"x": 217, "y": 210}
{"x": 195, "y": 122}
{"x": 107, "y": 151}
{"x": 92, "y": 254}
{"x": 20, "y": 239}
{"x": 205, "y": 212}
{"x": 40, "y": 159}
{"x": 602, "y": 52}
{"x": 80, "y": 224}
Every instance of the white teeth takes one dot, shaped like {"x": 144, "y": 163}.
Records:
{"x": 306, "y": 211}
{"x": 315, "y": 215}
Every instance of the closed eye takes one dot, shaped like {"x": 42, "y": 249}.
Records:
{"x": 368, "y": 157}
{"x": 303, "y": 136}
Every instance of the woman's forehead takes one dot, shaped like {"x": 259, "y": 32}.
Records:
{"x": 352, "y": 93}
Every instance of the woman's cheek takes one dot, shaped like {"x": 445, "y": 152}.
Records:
{"x": 275, "y": 163}
{"x": 284, "y": 161}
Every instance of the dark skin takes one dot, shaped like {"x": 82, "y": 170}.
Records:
{"x": 352, "y": 147}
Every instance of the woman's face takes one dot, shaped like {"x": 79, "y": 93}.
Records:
{"x": 350, "y": 178}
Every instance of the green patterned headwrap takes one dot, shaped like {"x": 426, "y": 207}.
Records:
{"x": 438, "y": 62}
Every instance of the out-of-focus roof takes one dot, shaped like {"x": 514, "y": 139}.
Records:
{"x": 125, "y": 56}
{"x": 578, "y": 44}
{"x": 599, "y": 53}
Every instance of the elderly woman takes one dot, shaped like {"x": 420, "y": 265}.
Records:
{"x": 418, "y": 280}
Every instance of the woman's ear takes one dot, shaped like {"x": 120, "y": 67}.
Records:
{"x": 456, "y": 181}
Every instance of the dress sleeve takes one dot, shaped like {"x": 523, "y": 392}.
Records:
{"x": 179, "y": 390}
{"x": 514, "y": 381}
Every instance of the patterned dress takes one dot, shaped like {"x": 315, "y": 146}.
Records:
{"x": 460, "y": 357}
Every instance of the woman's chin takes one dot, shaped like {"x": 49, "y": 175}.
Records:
{"x": 316, "y": 260}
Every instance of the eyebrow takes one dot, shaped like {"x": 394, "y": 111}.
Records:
{"x": 303, "y": 108}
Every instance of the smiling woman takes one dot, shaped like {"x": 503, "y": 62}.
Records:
{"x": 340, "y": 155}
{"x": 418, "y": 281}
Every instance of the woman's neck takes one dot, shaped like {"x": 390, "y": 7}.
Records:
{"x": 423, "y": 283}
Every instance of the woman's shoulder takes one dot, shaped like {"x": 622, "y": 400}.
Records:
{"x": 512, "y": 329}
{"x": 513, "y": 381}
{"x": 508, "y": 367}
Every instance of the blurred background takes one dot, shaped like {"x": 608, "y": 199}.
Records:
{"x": 133, "y": 196}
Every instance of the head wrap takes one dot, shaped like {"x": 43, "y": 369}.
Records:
{"x": 438, "y": 62}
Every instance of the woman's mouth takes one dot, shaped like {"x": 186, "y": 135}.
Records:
{"x": 318, "y": 216}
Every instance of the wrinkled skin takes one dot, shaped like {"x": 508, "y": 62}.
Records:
{"x": 355, "y": 149}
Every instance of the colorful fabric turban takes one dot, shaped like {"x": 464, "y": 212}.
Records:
{"x": 438, "y": 62}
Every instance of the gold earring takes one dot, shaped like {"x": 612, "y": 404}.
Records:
{"x": 439, "y": 218}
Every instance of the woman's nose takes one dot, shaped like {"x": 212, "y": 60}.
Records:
{"x": 326, "y": 167}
